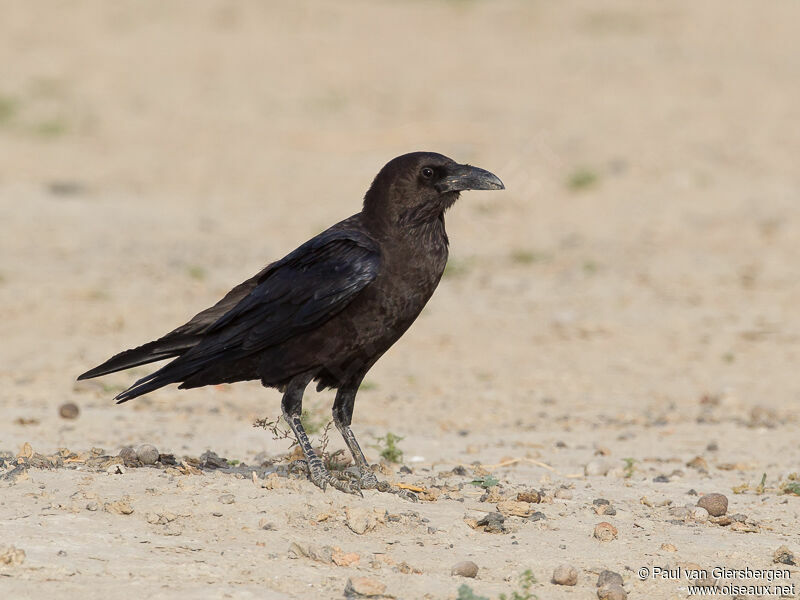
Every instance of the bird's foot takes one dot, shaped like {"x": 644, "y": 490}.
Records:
{"x": 321, "y": 477}
{"x": 368, "y": 481}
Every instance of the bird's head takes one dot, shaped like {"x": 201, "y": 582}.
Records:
{"x": 418, "y": 187}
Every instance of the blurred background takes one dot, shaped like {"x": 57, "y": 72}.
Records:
{"x": 641, "y": 266}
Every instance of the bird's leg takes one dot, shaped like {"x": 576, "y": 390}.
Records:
{"x": 292, "y": 405}
{"x": 342, "y": 417}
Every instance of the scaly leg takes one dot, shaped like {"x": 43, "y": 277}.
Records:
{"x": 292, "y": 405}
{"x": 342, "y": 417}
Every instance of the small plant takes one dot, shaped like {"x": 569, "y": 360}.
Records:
{"x": 196, "y": 272}
{"x": 582, "y": 179}
{"x": 527, "y": 257}
{"x": 486, "y": 482}
{"x": 465, "y": 593}
{"x": 762, "y": 486}
{"x": 629, "y": 467}
{"x": 367, "y": 385}
{"x": 280, "y": 432}
{"x": 526, "y": 581}
{"x": 791, "y": 488}
{"x": 389, "y": 450}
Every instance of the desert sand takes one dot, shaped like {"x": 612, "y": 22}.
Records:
{"x": 620, "y": 324}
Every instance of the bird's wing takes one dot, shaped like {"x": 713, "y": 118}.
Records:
{"x": 294, "y": 295}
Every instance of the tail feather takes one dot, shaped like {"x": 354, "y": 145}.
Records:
{"x": 144, "y": 354}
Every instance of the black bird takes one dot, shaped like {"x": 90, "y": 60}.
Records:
{"x": 327, "y": 311}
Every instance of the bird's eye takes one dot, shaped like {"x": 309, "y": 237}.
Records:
{"x": 427, "y": 172}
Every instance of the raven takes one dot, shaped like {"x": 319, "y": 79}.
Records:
{"x": 327, "y": 311}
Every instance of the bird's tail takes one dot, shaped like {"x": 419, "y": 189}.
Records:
{"x": 144, "y": 354}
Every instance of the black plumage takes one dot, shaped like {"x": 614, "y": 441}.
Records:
{"x": 329, "y": 309}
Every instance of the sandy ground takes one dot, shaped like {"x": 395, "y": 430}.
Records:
{"x": 632, "y": 295}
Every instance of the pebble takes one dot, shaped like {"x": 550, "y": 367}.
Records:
{"x": 465, "y": 568}
{"x": 679, "y": 512}
{"x": 656, "y": 501}
{"x": 609, "y": 578}
{"x": 605, "y": 509}
{"x": 597, "y": 467}
{"x": 227, "y": 499}
{"x": 530, "y": 496}
{"x": 173, "y": 528}
{"x": 493, "y": 523}
{"x": 537, "y": 516}
{"x": 715, "y": 504}
{"x": 128, "y": 456}
{"x": 605, "y": 532}
{"x": 563, "y": 494}
{"x": 565, "y": 575}
{"x": 69, "y": 410}
{"x": 120, "y": 507}
{"x": 363, "y": 587}
{"x": 266, "y": 525}
{"x": 669, "y": 547}
{"x": 600, "y": 502}
{"x": 783, "y": 556}
{"x": 612, "y": 592}
{"x": 661, "y": 479}
{"x": 147, "y": 454}
{"x": 92, "y": 506}
{"x": 514, "y": 508}
{"x": 699, "y": 514}
{"x": 699, "y": 463}
{"x": 12, "y": 556}
{"x": 359, "y": 520}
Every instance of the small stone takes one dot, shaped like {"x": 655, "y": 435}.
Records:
{"x": 783, "y": 556}
{"x": 147, "y": 454}
{"x": 661, "y": 479}
{"x": 605, "y": 509}
{"x": 227, "y": 499}
{"x": 92, "y": 506}
{"x": 537, "y": 516}
{"x": 492, "y": 523}
{"x": 120, "y": 507}
{"x": 116, "y": 469}
{"x": 173, "y": 528}
{"x": 605, "y": 532}
{"x": 699, "y": 463}
{"x": 612, "y": 592}
{"x": 152, "y": 518}
{"x": 69, "y": 410}
{"x": 739, "y": 517}
{"x": 656, "y": 501}
{"x": 565, "y": 575}
{"x": 344, "y": 559}
{"x": 669, "y": 547}
{"x": 712, "y": 447}
{"x": 359, "y": 520}
{"x": 266, "y": 525}
{"x": 596, "y": 467}
{"x": 600, "y": 502}
{"x": 715, "y": 504}
{"x": 128, "y": 456}
{"x": 563, "y": 494}
{"x": 529, "y": 496}
{"x": 513, "y": 508}
{"x": 12, "y": 556}
{"x": 364, "y": 587}
{"x": 699, "y": 514}
{"x": 679, "y": 512}
{"x": 609, "y": 578}
{"x": 465, "y": 568}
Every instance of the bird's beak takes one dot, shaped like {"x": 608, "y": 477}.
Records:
{"x": 465, "y": 177}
